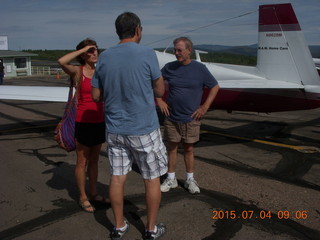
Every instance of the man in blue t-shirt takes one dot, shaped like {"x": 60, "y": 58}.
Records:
{"x": 186, "y": 79}
{"x": 127, "y": 78}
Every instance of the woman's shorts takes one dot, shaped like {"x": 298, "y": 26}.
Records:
{"x": 90, "y": 134}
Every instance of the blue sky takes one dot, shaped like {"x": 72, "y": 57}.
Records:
{"x": 61, "y": 24}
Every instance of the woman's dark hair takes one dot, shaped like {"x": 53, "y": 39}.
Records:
{"x": 126, "y": 24}
{"x": 82, "y": 44}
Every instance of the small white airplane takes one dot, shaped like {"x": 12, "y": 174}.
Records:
{"x": 284, "y": 79}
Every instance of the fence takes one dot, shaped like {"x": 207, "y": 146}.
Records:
{"x": 46, "y": 70}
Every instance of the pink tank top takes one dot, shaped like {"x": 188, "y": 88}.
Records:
{"x": 88, "y": 111}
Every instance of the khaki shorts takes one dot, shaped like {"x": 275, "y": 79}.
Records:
{"x": 186, "y": 132}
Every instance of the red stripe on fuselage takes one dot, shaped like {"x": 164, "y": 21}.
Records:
{"x": 264, "y": 100}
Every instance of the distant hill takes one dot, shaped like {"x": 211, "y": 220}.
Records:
{"x": 249, "y": 50}
{"x": 243, "y": 55}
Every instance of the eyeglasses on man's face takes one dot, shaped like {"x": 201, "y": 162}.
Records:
{"x": 179, "y": 50}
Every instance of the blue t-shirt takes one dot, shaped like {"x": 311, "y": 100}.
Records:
{"x": 125, "y": 73}
{"x": 186, "y": 84}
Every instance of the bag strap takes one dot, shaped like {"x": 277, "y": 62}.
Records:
{"x": 71, "y": 86}
{"x": 76, "y": 84}
{"x": 72, "y": 98}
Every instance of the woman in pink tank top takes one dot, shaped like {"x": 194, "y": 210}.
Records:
{"x": 90, "y": 126}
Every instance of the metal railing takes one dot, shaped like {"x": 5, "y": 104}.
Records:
{"x": 46, "y": 71}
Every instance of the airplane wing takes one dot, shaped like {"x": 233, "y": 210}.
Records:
{"x": 245, "y": 77}
{"x": 258, "y": 84}
{"x": 236, "y": 76}
{"x": 36, "y": 93}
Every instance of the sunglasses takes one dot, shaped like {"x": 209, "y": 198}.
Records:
{"x": 92, "y": 50}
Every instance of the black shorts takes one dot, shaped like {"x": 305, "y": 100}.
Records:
{"x": 90, "y": 134}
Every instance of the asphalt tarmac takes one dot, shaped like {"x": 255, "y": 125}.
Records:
{"x": 258, "y": 174}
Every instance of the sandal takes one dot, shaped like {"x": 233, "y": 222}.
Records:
{"x": 98, "y": 199}
{"x": 86, "y": 207}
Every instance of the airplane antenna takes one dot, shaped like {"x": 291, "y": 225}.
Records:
{"x": 167, "y": 47}
{"x": 209, "y": 25}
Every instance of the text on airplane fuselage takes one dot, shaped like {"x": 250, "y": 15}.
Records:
{"x": 273, "y": 48}
{"x": 273, "y": 34}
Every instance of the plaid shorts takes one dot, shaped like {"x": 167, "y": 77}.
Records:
{"x": 148, "y": 151}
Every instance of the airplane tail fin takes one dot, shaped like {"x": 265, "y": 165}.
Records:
{"x": 283, "y": 53}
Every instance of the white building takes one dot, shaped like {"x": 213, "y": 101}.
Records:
{"x": 16, "y": 63}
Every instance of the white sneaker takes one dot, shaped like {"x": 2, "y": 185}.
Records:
{"x": 168, "y": 184}
{"x": 192, "y": 186}
{"x": 161, "y": 230}
{"x": 117, "y": 234}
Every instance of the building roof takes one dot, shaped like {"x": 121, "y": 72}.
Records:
{"x": 10, "y": 53}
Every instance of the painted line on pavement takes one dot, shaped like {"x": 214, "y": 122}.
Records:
{"x": 304, "y": 149}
